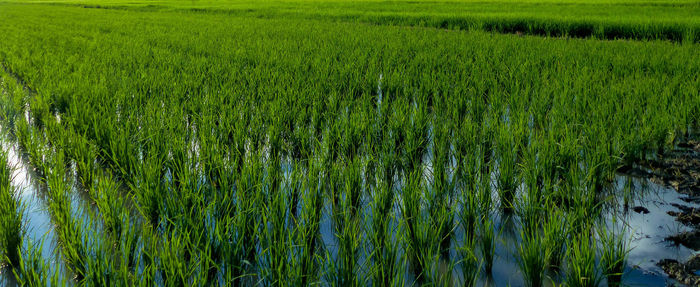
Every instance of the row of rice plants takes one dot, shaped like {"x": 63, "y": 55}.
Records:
{"x": 634, "y": 20}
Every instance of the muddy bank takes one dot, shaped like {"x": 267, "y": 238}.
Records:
{"x": 685, "y": 273}
{"x": 679, "y": 169}
{"x": 688, "y": 215}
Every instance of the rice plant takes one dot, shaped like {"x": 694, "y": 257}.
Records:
{"x": 383, "y": 230}
{"x": 11, "y": 217}
{"x": 534, "y": 256}
{"x": 613, "y": 253}
{"x": 582, "y": 269}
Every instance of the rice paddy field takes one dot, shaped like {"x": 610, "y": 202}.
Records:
{"x": 349, "y": 143}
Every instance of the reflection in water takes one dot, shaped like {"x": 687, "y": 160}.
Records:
{"x": 646, "y": 232}
{"x": 38, "y": 223}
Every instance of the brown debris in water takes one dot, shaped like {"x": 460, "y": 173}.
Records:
{"x": 689, "y": 239}
{"x": 634, "y": 171}
{"x": 688, "y": 215}
{"x": 682, "y": 272}
{"x": 680, "y": 169}
{"x": 640, "y": 209}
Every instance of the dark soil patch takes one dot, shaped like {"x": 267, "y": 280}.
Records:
{"x": 640, "y": 209}
{"x": 635, "y": 171}
{"x": 679, "y": 169}
{"x": 683, "y": 272}
{"x": 688, "y": 216}
{"x": 688, "y": 239}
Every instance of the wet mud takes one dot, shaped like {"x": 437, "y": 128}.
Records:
{"x": 685, "y": 273}
{"x": 679, "y": 169}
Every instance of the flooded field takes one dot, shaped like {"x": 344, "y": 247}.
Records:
{"x": 645, "y": 208}
{"x": 295, "y": 143}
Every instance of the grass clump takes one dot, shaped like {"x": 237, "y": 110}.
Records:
{"x": 613, "y": 253}
{"x": 11, "y": 217}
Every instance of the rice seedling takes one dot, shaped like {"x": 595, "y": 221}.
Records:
{"x": 469, "y": 219}
{"x": 582, "y": 269}
{"x": 534, "y": 256}
{"x": 150, "y": 187}
{"x": 276, "y": 242}
{"x": 470, "y": 215}
{"x": 84, "y": 155}
{"x": 417, "y": 138}
{"x": 530, "y": 208}
{"x": 416, "y": 241}
{"x": 485, "y": 225}
{"x": 309, "y": 227}
{"x": 11, "y": 217}
{"x": 71, "y": 232}
{"x": 487, "y": 242}
{"x": 441, "y": 192}
{"x": 613, "y": 253}
{"x": 33, "y": 270}
{"x": 40, "y": 110}
{"x": 174, "y": 267}
{"x": 32, "y": 141}
{"x": 507, "y": 172}
{"x": 12, "y": 98}
{"x": 247, "y": 225}
{"x": 344, "y": 270}
{"x": 382, "y": 231}
{"x": 469, "y": 263}
{"x": 555, "y": 233}
{"x": 111, "y": 204}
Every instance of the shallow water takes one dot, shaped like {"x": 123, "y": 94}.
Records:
{"x": 38, "y": 226}
{"x": 646, "y": 232}
{"x": 37, "y": 219}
